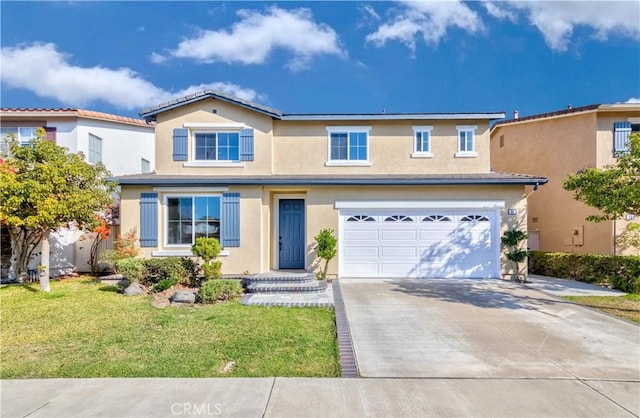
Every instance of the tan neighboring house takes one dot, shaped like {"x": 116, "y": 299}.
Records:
{"x": 408, "y": 195}
{"x": 555, "y": 145}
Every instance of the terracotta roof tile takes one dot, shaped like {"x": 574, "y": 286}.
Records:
{"x": 81, "y": 113}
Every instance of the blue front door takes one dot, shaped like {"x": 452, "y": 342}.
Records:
{"x": 291, "y": 237}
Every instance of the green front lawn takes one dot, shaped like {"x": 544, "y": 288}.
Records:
{"x": 627, "y": 306}
{"x": 85, "y": 329}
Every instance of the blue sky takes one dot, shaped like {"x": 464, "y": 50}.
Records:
{"x": 314, "y": 57}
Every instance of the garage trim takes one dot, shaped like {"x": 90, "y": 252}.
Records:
{"x": 421, "y": 204}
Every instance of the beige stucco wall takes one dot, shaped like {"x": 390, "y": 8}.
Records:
{"x": 201, "y": 112}
{"x": 302, "y": 147}
{"x": 554, "y": 148}
{"x": 257, "y": 251}
{"x": 291, "y": 147}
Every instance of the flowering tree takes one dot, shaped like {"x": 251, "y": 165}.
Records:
{"x": 45, "y": 187}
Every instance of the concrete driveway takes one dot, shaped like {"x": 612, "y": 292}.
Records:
{"x": 464, "y": 328}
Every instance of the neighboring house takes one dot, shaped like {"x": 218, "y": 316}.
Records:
{"x": 124, "y": 145}
{"x": 408, "y": 195}
{"x": 555, "y": 145}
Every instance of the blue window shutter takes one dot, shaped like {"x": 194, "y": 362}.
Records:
{"x": 230, "y": 228}
{"x": 180, "y": 144}
{"x": 149, "y": 219}
{"x": 246, "y": 144}
{"x": 621, "y": 132}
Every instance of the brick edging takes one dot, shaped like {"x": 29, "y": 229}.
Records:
{"x": 348, "y": 361}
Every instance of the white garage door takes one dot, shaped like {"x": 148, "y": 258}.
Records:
{"x": 418, "y": 243}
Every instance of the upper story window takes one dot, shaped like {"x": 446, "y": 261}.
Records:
{"x": 422, "y": 142}
{"x": 145, "y": 166}
{"x": 217, "y": 146}
{"x": 95, "y": 149}
{"x": 348, "y": 145}
{"x": 621, "y": 132}
{"x": 23, "y": 135}
{"x": 213, "y": 144}
{"x": 466, "y": 141}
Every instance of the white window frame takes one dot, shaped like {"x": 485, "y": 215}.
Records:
{"x": 347, "y": 130}
{"x": 466, "y": 153}
{"x": 143, "y": 162}
{"x": 165, "y": 226}
{"x": 17, "y": 134}
{"x": 92, "y": 151}
{"x": 216, "y": 132}
{"x": 421, "y": 153}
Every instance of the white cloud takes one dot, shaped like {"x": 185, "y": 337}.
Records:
{"x": 429, "y": 19}
{"x": 499, "y": 12}
{"x": 46, "y": 72}
{"x": 633, "y": 100}
{"x": 252, "y": 39}
{"x": 558, "y": 19}
{"x": 370, "y": 12}
{"x": 157, "y": 58}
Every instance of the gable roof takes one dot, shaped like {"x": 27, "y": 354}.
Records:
{"x": 151, "y": 112}
{"x": 71, "y": 112}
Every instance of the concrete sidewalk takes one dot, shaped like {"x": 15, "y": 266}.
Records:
{"x": 305, "y": 397}
{"x": 567, "y": 287}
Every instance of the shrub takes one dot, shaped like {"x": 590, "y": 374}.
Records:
{"x": 619, "y": 272}
{"x": 131, "y": 268}
{"x": 206, "y": 248}
{"x": 326, "y": 248}
{"x": 512, "y": 239}
{"x": 123, "y": 247}
{"x": 178, "y": 269}
{"x": 212, "y": 270}
{"x": 164, "y": 284}
{"x": 213, "y": 291}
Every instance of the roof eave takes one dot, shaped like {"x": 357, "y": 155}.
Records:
{"x": 532, "y": 181}
{"x": 393, "y": 116}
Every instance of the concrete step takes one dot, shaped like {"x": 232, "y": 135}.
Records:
{"x": 279, "y": 277}
{"x": 287, "y": 287}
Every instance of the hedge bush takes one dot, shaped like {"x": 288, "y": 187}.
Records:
{"x": 213, "y": 291}
{"x": 177, "y": 269}
{"x": 131, "y": 268}
{"x": 619, "y": 272}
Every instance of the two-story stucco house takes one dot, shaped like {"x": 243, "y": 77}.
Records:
{"x": 408, "y": 195}
{"x": 124, "y": 145}
{"x": 555, "y": 145}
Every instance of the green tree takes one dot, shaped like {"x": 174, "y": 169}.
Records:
{"x": 615, "y": 189}
{"x": 513, "y": 239}
{"x": 45, "y": 187}
{"x": 326, "y": 247}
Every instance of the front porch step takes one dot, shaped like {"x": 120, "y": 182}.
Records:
{"x": 287, "y": 287}
{"x": 277, "y": 277}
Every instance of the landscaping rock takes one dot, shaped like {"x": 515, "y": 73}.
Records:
{"x": 134, "y": 289}
{"x": 229, "y": 367}
{"x": 183, "y": 296}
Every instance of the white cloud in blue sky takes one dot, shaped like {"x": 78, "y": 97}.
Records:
{"x": 44, "y": 70}
{"x": 257, "y": 34}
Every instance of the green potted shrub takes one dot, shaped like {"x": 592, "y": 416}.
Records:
{"x": 513, "y": 239}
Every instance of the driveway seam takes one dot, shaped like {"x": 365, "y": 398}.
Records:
{"x": 605, "y": 396}
{"x": 37, "y": 409}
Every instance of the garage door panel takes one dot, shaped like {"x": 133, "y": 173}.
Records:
{"x": 435, "y": 234}
{"x": 361, "y": 269}
{"x": 361, "y": 235}
{"x": 362, "y": 252}
{"x": 398, "y": 235}
{"x": 399, "y": 251}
